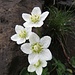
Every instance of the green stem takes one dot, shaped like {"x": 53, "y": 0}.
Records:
{"x": 53, "y": 69}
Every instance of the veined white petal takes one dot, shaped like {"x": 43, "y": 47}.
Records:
{"x": 28, "y": 35}
{"x": 39, "y": 70}
{"x": 20, "y": 41}
{"x": 31, "y": 68}
{"x": 34, "y": 38}
{"x": 45, "y": 41}
{"x": 18, "y": 28}
{"x": 44, "y": 63}
{"x": 28, "y": 29}
{"x": 45, "y": 55}
{"x": 15, "y": 37}
{"x": 33, "y": 58}
{"x": 26, "y": 16}
{"x": 38, "y": 24}
{"x": 26, "y": 48}
{"x": 44, "y": 15}
{"x": 28, "y": 24}
{"x": 36, "y": 11}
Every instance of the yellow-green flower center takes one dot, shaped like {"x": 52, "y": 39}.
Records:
{"x": 23, "y": 34}
{"x": 35, "y": 18}
{"x": 37, "y": 48}
{"x": 38, "y": 63}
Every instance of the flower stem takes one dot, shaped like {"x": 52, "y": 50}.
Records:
{"x": 66, "y": 55}
{"x": 53, "y": 69}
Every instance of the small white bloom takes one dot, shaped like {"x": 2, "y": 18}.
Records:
{"x": 37, "y": 48}
{"x": 35, "y": 19}
{"x": 22, "y": 34}
{"x": 37, "y": 66}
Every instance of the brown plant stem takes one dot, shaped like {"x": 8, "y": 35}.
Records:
{"x": 66, "y": 55}
{"x": 68, "y": 58}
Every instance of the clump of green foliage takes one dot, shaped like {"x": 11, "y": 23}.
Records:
{"x": 59, "y": 22}
{"x": 61, "y": 68}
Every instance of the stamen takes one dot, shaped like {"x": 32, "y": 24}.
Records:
{"x": 23, "y": 34}
{"x": 35, "y": 18}
{"x": 37, "y": 48}
{"x": 38, "y": 63}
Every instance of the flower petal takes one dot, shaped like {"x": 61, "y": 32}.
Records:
{"x": 20, "y": 41}
{"x": 26, "y": 48}
{"x": 38, "y": 24}
{"x": 44, "y": 63}
{"x": 44, "y": 15}
{"x": 36, "y": 11}
{"x": 45, "y": 41}
{"x": 28, "y": 35}
{"x": 26, "y": 17}
{"x": 18, "y": 28}
{"x": 45, "y": 55}
{"x": 28, "y": 29}
{"x": 15, "y": 37}
{"x": 33, "y": 58}
{"x": 28, "y": 24}
{"x": 34, "y": 38}
{"x": 31, "y": 68}
{"x": 39, "y": 71}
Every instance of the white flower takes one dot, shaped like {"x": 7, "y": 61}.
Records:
{"x": 35, "y": 19}
{"x": 22, "y": 34}
{"x": 37, "y": 48}
{"x": 37, "y": 66}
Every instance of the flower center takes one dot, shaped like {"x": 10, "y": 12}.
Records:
{"x": 35, "y": 18}
{"x": 38, "y": 63}
{"x": 37, "y": 48}
{"x": 23, "y": 34}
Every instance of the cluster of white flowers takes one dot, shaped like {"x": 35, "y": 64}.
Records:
{"x": 37, "y": 48}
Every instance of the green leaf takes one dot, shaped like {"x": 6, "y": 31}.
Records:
{"x": 59, "y": 72}
{"x": 69, "y": 70}
{"x": 24, "y": 72}
{"x": 45, "y": 72}
{"x": 73, "y": 62}
{"x": 32, "y": 73}
{"x": 68, "y": 73}
{"x": 60, "y": 67}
